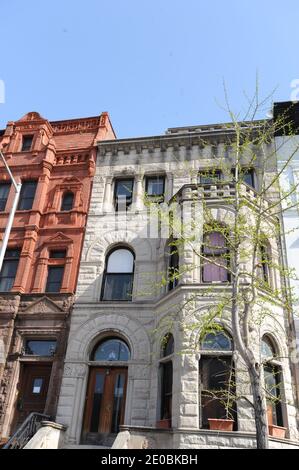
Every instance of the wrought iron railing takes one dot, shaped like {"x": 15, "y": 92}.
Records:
{"x": 26, "y": 431}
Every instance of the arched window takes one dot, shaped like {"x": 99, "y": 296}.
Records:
{"x": 217, "y": 378}
{"x": 67, "y": 201}
{"x": 112, "y": 349}
{"x": 267, "y": 348}
{"x": 173, "y": 264}
{"x": 167, "y": 346}
{"x": 118, "y": 276}
{"x": 217, "y": 342}
{"x": 273, "y": 382}
{"x": 166, "y": 378}
{"x": 215, "y": 266}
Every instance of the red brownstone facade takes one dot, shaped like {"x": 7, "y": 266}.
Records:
{"x": 58, "y": 158}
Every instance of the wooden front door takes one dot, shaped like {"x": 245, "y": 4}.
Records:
{"x": 105, "y": 400}
{"x": 34, "y": 384}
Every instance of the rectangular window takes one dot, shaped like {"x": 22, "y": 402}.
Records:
{"x": 118, "y": 286}
{"x": 166, "y": 390}
{"x": 246, "y": 175}
{"x": 272, "y": 377}
{"x": 37, "y": 386}
{"x": 54, "y": 280}
{"x": 217, "y": 386}
{"x": 9, "y": 269}
{"x": 27, "y": 195}
{"x": 26, "y": 143}
{"x": 209, "y": 177}
{"x": 215, "y": 266}
{"x": 58, "y": 254}
{"x": 44, "y": 348}
{"x": 154, "y": 187}
{"x": 4, "y": 190}
{"x": 123, "y": 193}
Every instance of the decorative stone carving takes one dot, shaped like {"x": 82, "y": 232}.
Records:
{"x": 45, "y": 305}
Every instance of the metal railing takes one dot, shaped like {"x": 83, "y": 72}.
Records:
{"x": 26, "y": 431}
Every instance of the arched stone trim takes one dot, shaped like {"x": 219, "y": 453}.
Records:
{"x": 194, "y": 336}
{"x": 223, "y": 215}
{"x": 269, "y": 331}
{"x": 98, "y": 249}
{"x": 85, "y": 337}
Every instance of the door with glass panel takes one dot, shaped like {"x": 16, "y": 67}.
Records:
{"x": 105, "y": 401}
{"x": 33, "y": 390}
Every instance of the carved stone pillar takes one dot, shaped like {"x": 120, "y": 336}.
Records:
{"x": 41, "y": 272}
{"x": 107, "y": 203}
{"x": 66, "y": 287}
{"x": 25, "y": 263}
{"x": 138, "y": 204}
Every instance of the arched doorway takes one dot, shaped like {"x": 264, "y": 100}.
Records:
{"x": 106, "y": 391}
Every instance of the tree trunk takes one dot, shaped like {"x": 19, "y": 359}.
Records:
{"x": 260, "y": 409}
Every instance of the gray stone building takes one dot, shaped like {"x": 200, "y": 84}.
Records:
{"x": 133, "y": 357}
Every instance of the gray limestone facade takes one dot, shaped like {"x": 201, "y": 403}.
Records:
{"x": 155, "y": 310}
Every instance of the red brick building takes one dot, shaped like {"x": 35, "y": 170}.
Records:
{"x": 55, "y": 162}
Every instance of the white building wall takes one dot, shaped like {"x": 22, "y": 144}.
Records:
{"x": 144, "y": 321}
{"x": 288, "y": 163}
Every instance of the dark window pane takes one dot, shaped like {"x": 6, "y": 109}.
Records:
{"x": 40, "y": 348}
{"x": 217, "y": 389}
{"x": 263, "y": 260}
{"x": 27, "y": 195}
{"x": 246, "y": 175}
{"x": 155, "y": 186}
{"x": 209, "y": 177}
{"x": 123, "y": 193}
{"x": 267, "y": 348}
{"x": 166, "y": 390}
{"x": 217, "y": 342}
{"x": 112, "y": 350}
{"x": 26, "y": 143}
{"x": 9, "y": 269}
{"x": 4, "y": 190}
{"x": 97, "y": 400}
{"x": 173, "y": 269}
{"x": 167, "y": 345}
{"x": 58, "y": 254}
{"x": 118, "y": 286}
{"x": 67, "y": 201}
{"x": 117, "y": 402}
{"x": 54, "y": 280}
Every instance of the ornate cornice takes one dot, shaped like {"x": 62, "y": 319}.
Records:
{"x": 76, "y": 125}
{"x": 201, "y": 136}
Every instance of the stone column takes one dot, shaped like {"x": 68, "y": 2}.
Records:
{"x": 107, "y": 203}
{"x": 169, "y": 192}
{"x": 66, "y": 287}
{"x": 72, "y": 400}
{"x": 185, "y": 387}
{"x": 25, "y": 263}
{"x": 138, "y": 204}
{"x": 40, "y": 276}
{"x": 42, "y": 188}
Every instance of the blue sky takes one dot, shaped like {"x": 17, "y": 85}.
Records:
{"x": 151, "y": 64}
